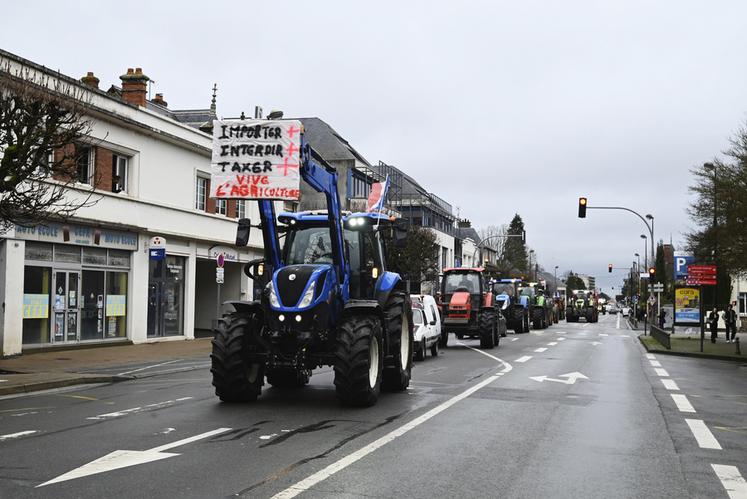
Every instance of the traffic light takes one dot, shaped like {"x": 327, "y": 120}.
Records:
{"x": 581, "y": 207}
{"x": 652, "y": 272}
{"x": 609, "y": 268}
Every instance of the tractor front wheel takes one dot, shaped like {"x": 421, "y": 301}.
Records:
{"x": 235, "y": 378}
{"x": 359, "y": 360}
{"x": 487, "y": 326}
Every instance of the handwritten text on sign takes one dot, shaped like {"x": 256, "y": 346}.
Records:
{"x": 256, "y": 159}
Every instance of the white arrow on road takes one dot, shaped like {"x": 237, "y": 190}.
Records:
{"x": 570, "y": 378}
{"x": 124, "y": 458}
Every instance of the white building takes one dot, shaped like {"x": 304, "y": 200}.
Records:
{"x": 91, "y": 280}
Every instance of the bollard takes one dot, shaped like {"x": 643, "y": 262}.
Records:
{"x": 736, "y": 342}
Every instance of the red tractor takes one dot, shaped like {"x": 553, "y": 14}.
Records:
{"x": 468, "y": 307}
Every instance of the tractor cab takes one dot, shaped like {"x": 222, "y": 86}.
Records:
{"x": 462, "y": 292}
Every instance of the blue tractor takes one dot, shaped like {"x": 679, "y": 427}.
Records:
{"x": 513, "y": 305}
{"x": 327, "y": 300}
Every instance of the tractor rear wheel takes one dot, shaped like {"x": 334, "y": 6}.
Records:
{"x": 359, "y": 360}
{"x": 487, "y": 326}
{"x": 398, "y": 322}
{"x": 287, "y": 377}
{"x": 235, "y": 378}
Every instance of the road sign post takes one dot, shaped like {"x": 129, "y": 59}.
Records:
{"x": 220, "y": 261}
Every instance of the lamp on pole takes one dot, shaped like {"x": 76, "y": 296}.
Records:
{"x": 531, "y": 254}
{"x": 555, "y": 274}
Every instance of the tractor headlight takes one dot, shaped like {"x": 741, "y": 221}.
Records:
{"x": 308, "y": 296}
{"x": 273, "y": 295}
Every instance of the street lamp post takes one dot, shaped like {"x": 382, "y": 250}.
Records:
{"x": 531, "y": 253}
{"x": 712, "y": 167}
{"x": 555, "y": 275}
{"x": 638, "y": 273}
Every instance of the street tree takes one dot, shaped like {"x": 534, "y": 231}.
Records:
{"x": 515, "y": 249}
{"x": 494, "y": 237}
{"x": 417, "y": 260}
{"x": 574, "y": 282}
{"x": 42, "y": 121}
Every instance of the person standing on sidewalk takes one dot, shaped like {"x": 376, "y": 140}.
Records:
{"x": 662, "y": 318}
{"x": 713, "y": 323}
{"x": 730, "y": 319}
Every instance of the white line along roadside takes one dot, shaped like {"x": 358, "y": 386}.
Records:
{"x": 702, "y": 434}
{"x": 661, "y": 372}
{"x": 670, "y": 384}
{"x": 346, "y": 461}
{"x": 148, "y": 367}
{"x": 682, "y": 403}
{"x": 135, "y": 410}
{"x": 732, "y": 481}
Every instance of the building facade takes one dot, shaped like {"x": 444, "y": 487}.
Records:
{"x": 92, "y": 278}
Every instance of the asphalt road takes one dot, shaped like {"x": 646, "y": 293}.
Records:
{"x": 574, "y": 411}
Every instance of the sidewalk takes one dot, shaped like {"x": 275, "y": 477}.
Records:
{"x": 59, "y": 368}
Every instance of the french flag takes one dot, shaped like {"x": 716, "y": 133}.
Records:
{"x": 377, "y": 197}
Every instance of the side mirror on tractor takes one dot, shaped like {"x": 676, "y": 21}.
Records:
{"x": 243, "y": 231}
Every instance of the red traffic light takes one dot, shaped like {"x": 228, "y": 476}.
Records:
{"x": 652, "y": 271}
{"x": 582, "y": 207}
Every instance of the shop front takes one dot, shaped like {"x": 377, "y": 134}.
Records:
{"x": 75, "y": 283}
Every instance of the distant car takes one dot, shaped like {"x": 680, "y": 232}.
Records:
{"x": 626, "y": 311}
{"x": 427, "y": 325}
{"x": 613, "y": 309}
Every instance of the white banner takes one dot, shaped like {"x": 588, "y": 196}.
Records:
{"x": 256, "y": 159}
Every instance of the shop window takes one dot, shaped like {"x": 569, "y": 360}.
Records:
{"x": 119, "y": 258}
{"x": 116, "y": 305}
{"x": 40, "y": 252}
{"x": 94, "y": 256}
{"x": 85, "y": 160}
{"x": 36, "y": 292}
{"x": 201, "y": 193}
{"x": 119, "y": 173}
{"x": 66, "y": 254}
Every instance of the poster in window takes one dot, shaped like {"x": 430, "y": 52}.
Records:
{"x": 35, "y": 306}
{"x": 116, "y": 305}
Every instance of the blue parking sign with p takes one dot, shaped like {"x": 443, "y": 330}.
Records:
{"x": 681, "y": 261}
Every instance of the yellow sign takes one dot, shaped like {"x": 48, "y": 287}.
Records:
{"x": 686, "y": 306}
{"x": 116, "y": 305}
{"x": 35, "y": 306}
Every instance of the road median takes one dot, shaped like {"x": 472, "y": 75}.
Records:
{"x": 689, "y": 346}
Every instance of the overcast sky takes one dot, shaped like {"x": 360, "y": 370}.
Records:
{"x": 498, "y": 107}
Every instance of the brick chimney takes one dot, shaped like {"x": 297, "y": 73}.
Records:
{"x": 134, "y": 86}
{"x": 90, "y": 80}
{"x": 159, "y": 100}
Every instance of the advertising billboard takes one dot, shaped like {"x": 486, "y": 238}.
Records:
{"x": 686, "y": 306}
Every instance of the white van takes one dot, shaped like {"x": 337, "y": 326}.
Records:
{"x": 427, "y": 325}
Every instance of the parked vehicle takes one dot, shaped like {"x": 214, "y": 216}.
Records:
{"x": 433, "y": 315}
{"x": 626, "y": 311}
{"x": 427, "y": 326}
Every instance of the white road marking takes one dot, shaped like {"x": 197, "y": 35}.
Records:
{"x": 650, "y": 356}
{"x": 514, "y": 339}
{"x": 571, "y": 378}
{"x": 124, "y": 458}
{"x": 561, "y": 339}
{"x": 540, "y": 350}
{"x": 682, "y": 403}
{"x": 670, "y": 384}
{"x": 346, "y": 461}
{"x": 268, "y": 437}
{"x": 732, "y": 481}
{"x": 523, "y": 359}
{"x": 661, "y": 372}
{"x": 595, "y": 343}
{"x": 552, "y": 343}
{"x": 10, "y": 436}
{"x": 560, "y": 332}
{"x": 148, "y": 367}
{"x": 702, "y": 434}
{"x": 135, "y": 410}
{"x": 586, "y": 325}
{"x": 628, "y": 325}
{"x": 655, "y": 363}
{"x": 618, "y": 321}
{"x": 3, "y": 380}
{"x": 582, "y": 334}
{"x": 603, "y": 334}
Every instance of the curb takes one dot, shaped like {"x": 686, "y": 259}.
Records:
{"x": 57, "y": 383}
{"x": 696, "y": 355}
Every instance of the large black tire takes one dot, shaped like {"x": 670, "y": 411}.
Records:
{"x": 487, "y": 325}
{"x": 287, "y": 377}
{"x": 421, "y": 351}
{"x": 359, "y": 360}
{"x": 398, "y": 321}
{"x": 235, "y": 379}
{"x": 526, "y": 322}
{"x": 536, "y": 319}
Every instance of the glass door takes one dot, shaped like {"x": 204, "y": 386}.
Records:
{"x": 65, "y": 327}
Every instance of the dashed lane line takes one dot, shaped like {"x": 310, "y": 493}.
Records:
{"x": 346, "y": 461}
{"x": 732, "y": 480}
{"x": 561, "y": 339}
{"x": 514, "y": 339}
{"x": 670, "y": 384}
{"x": 682, "y": 403}
{"x": 552, "y": 343}
{"x": 650, "y": 356}
{"x": 702, "y": 434}
{"x": 20, "y": 434}
{"x": 523, "y": 359}
{"x": 655, "y": 363}
{"x": 661, "y": 372}
{"x": 540, "y": 350}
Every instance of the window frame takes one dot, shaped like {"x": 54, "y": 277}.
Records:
{"x": 90, "y": 164}
{"x": 221, "y": 207}
{"x": 123, "y": 179}
{"x": 201, "y": 182}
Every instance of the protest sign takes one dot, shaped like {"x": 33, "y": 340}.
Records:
{"x": 256, "y": 159}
